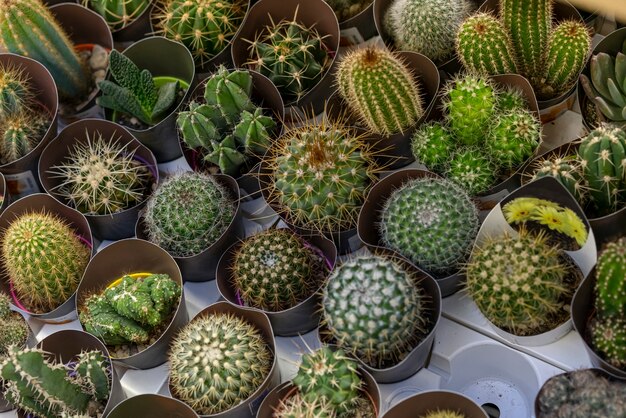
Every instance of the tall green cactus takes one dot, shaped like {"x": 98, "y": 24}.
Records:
{"x": 610, "y": 283}
{"x": 118, "y": 13}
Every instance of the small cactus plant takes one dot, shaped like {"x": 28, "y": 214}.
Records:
{"x": 44, "y": 259}
{"x": 16, "y": 92}
{"x": 471, "y": 169}
{"x": 20, "y": 133}
{"x": 218, "y": 361}
{"x": 13, "y": 327}
{"x": 296, "y": 407}
{"x": 566, "y": 170}
{"x": 187, "y": 213}
{"x": 514, "y": 137}
{"x": 118, "y": 13}
{"x": 380, "y": 90}
{"x": 432, "y": 145}
{"x": 610, "y": 284}
{"x": 608, "y": 338}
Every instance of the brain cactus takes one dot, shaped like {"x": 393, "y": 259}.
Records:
{"x": 187, "y": 213}
{"x": 471, "y": 169}
{"x": 13, "y": 328}
{"x": 432, "y": 145}
{"x": 16, "y": 92}
{"x": 430, "y": 221}
{"x": 373, "y": 308}
{"x": 514, "y": 138}
{"x": 118, "y": 13}
{"x": 217, "y": 361}
{"x": 567, "y": 170}
{"x": 380, "y": 89}
{"x": 608, "y": 338}
{"x": 610, "y": 273}
{"x": 44, "y": 259}
{"x": 20, "y": 133}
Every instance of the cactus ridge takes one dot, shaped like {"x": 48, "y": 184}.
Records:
{"x": 118, "y": 13}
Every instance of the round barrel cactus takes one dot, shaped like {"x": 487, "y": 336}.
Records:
{"x": 567, "y": 170}
{"x": 471, "y": 169}
{"x": 514, "y": 137}
{"x": 608, "y": 338}
{"x": 13, "y": 327}
{"x": 432, "y": 145}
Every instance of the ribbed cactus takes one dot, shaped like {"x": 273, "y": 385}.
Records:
{"x": 432, "y": 222}
{"x": 607, "y": 87}
{"x": 28, "y": 28}
{"x": 471, "y": 169}
{"x": 514, "y": 137}
{"x": 118, "y": 13}
{"x": 102, "y": 176}
{"x": 20, "y": 133}
{"x": 425, "y": 26}
{"x": 48, "y": 389}
{"x": 346, "y": 9}
{"x": 610, "y": 283}
{"x": 16, "y": 92}
{"x": 443, "y": 413}
{"x": 519, "y": 283}
{"x": 13, "y": 327}
{"x": 187, "y": 213}
{"x": 296, "y": 407}
{"x": 432, "y": 145}
{"x": 608, "y": 338}
{"x": 567, "y": 170}
{"x": 44, "y": 259}
{"x": 373, "y": 308}
{"x": 380, "y": 90}
{"x": 218, "y": 361}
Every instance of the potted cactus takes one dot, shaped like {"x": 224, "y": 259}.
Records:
{"x": 14, "y": 332}
{"x": 127, "y": 19}
{"x": 437, "y": 404}
{"x": 149, "y": 405}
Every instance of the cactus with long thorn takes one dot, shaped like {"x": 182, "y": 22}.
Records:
{"x": 20, "y": 133}
{"x": 567, "y": 170}
{"x": 610, "y": 283}
{"x": 118, "y": 13}
{"x": 16, "y": 92}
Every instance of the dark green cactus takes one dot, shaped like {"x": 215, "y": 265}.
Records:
{"x": 118, "y": 13}
{"x": 610, "y": 283}
{"x": 16, "y": 92}
{"x": 510, "y": 99}
{"x": 432, "y": 145}
{"x": 608, "y": 338}
{"x": 20, "y": 133}
{"x": 13, "y": 327}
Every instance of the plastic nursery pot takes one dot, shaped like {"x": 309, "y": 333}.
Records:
{"x": 421, "y": 404}
{"x": 359, "y": 28}
{"x": 40, "y": 202}
{"x": 296, "y": 320}
{"x": 105, "y": 227}
{"x": 249, "y": 407}
{"x": 21, "y": 175}
{"x": 202, "y": 266}
{"x": 149, "y": 405}
{"x": 166, "y": 59}
{"x": 131, "y": 256}
{"x": 309, "y": 13}
{"x": 84, "y": 27}
{"x": 369, "y": 219}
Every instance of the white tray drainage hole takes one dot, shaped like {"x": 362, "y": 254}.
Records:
{"x": 491, "y": 409}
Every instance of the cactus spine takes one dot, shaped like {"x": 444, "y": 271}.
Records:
{"x": 13, "y": 327}
{"x": 567, "y": 170}
{"x": 296, "y": 407}
{"x": 472, "y": 170}
{"x": 443, "y": 413}
{"x": 118, "y": 13}
{"x": 608, "y": 338}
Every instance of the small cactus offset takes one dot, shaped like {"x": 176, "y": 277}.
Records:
{"x": 218, "y": 361}
{"x": 13, "y": 327}
{"x": 380, "y": 90}
{"x": 514, "y": 137}
{"x": 610, "y": 283}
{"x": 432, "y": 145}
{"x": 443, "y": 413}
{"x": 20, "y": 133}
{"x": 567, "y": 170}
{"x": 118, "y": 13}
{"x": 471, "y": 169}
{"x": 608, "y": 338}
{"x": 44, "y": 259}
{"x": 606, "y": 89}
{"x": 346, "y": 9}
{"x": 16, "y": 92}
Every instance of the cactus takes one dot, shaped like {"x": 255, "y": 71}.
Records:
{"x": 291, "y": 55}
{"x": 48, "y": 389}
{"x": 472, "y": 170}
{"x": 13, "y": 328}
{"x": 118, "y": 13}
{"x": 425, "y": 26}
{"x": 20, "y": 133}
{"x": 296, "y": 407}
{"x": 519, "y": 282}
{"x": 380, "y": 89}
{"x": 607, "y": 87}
{"x": 102, "y": 176}
{"x": 484, "y": 46}
{"x": 514, "y": 137}
{"x": 608, "y": 338}
{"x": 276, "y": 269}
{"x": 135, "y": 93}
{"x": 218, "y": 361}
{"x": 187, "y": 213}
{"x": 346, "y": 9}
{"x": 44, "y": 259}
{"x": 431, "y": 145}
{"x": 443, "y": 413}
{"x": 28, "y": 28}
{"x": 205, "y": 27}
{"x": 16, "y": 92}
{"x": 432, "y": 222}
{"x": 567, "y": 170}
{"x": 610, "y": 283}
{"x": 373, "y": 309}
{"x": 510, "y": 99}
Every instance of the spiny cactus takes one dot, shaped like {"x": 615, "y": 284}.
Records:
{"x": 425, "y": 26}
{"x": 187, "y": 213}
{"x": 510, "y": 99}
{"x": 296, "y": 407}
{"x": 608, "y": 338}
{"x": 218, "y": 361}
{"x": 373, "y": 308}
{"x": 432, "y": 145}
{"x": 430, "y": 221}
{"x": 20, "y": 133}
{"x": 472, "y": 170}
{"x": 276, "y": 269}
{"x": 16, "y": 92}
{"x": 118, "y": 13}
{"x": 519, "y": 282}
{"x": 44, "y": 259}
{"x": 380, "y": 90}
{"x": 610, "y": 283}
{"x": 102, "y": 176}
{"x": 13, "y": 327}
{"x": 346, "y": 9}
{"x": 606, "y": 88}
{"x": 28, "y": 28}
{"x": 443, "y": 413}
{"x": 567, "y": 170}
{"x": 514, "y": 137}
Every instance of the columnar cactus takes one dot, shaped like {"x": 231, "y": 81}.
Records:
{"x": 16, "y": 92}
{"x": 118, "y": 13}
{"x": 606, "y": 88}
{"x": 218, "y": 361}
{"x": 514, "y": 137}
{"x": 28, "y": 28}
{"x": 44, "y": 259}
{"x": 20, "y": 133}
{"x": 13, "y": 328}
{"x": 187, "y": 213}
{"x": 432, "y": 145}
{"x": 610, "y": 283}
{"x": 567, "y": 170}
{"x": 471, "y": 169}
{"x": 430, "y": 221}
{"x": 373, "y": 308}
{"x": 608, "y": 338}
{"x": 380, "y": 90}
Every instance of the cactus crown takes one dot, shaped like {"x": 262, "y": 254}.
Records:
{"x": 118, "y": 13}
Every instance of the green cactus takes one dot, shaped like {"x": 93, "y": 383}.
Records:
{"x": 380, "y": 90}
{"x": 296, "y": 407}
{"x": 293, "y": 56}
{"x": 373, "y": 309}
{"x": 225, "y": 155}
{"x": 607, "y": 87}
{"x": 276, "y": 269}
{"x": 118, "y": 13}
{"x": 608, "y": 338}
{"x": 432, "y": 222}
{"x": 471, "y": 169}
{"x": 13, "y": 327}
{"x": 102, "y": 176}
{"x": 443, "y": 413}
{"x": 346, "y": 9}
{"x": 20, "y": 133}
{"x": 135, "y": 93}
{"x": 567, "y": 170}
{"x": 16, "y": 92}
{"x": 253, "y": 131}
{"x": 519, "y": 282}
{"x": 432, "y": 145}
{"x": 48, "y": 389}
{"x": 218, "y": 361}
{"x": 44, "y": 259}
{"x": 610, "y": 283}
{"x": 514, "y": 137}
{"x": 187, "y": 213}
{"x": 100, "y": 319}
{"x": 425, "y": 26}
{"x": 205, "y": 27}
{"x": 484, "y": 46}
{"x": 510, "y": 99}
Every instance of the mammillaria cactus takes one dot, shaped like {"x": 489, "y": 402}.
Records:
{"x": 44, "y": 259}
{"x": 118, "y": 13}
{"x": 380, "y": 90}
{"x": 432, "y": 145}
{"x": 187, "y": 213}
{"x": 20, "y": 133}
{"x": 607, "y": 87}
{"x": 610, "y": 273}
{"x": 13, "y": 327}
{"x": 345, "y": 9}
{"x": 514, "y": 137}
{"x": 378, "y": 330}
{"x": 217, "y": 361}
{"x": 608, "y": 338}
{"x": 16, "y": 92}
{"x": 430, "y": 221}
{"x": 567, "y": 170}
{"x": 471, "y": 169}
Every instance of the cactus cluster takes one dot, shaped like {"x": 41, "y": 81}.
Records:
{"x": 118, "y": 13}
{"x": 524, "y": 40}
{"x": 379, "y": 330}
{"x": 380, "y": 90}
{"x": 227, "y": 128}
{"x": 218, "y": 361}
{"x": 187, "y": 213}
{"x": 430, "y": 221}
{"x": 13, "y": 327}
{"x": 131, "y": 310}
{"x": 44, "y": 259}
{"x": 43, "y": 387}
